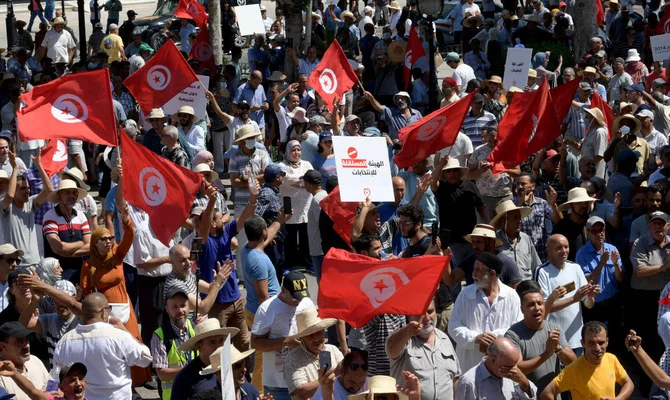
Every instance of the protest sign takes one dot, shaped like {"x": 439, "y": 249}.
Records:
{"x": 516, "y": 68}
{"x": 193, "y": 96}
{"x": 363, "y": 168}
{"x": 249, "y": 20}
{"x": 227, "y": 384}
{"x": 660, "y": 47}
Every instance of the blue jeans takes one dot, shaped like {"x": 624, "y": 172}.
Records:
{"x": 277, "y": 393}
{"x": 316, "y": 262}
{"x": 37, "y": 13}
{"x": 49, "y": 10}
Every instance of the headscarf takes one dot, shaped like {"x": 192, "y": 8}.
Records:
{"x": 289, "y": 146}
{"x": 97, "y": 260}
{"x": 201, "y": 157}
{"x": 46, "y": 270}
{"x": 635, "y": 69}
{"x": 539, "y": 59}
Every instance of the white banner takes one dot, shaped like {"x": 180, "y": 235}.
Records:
{"x": 249, "y": 20}
{"x": 193, "y": 96}
{"x": 363, "y": 168}
{"x": 227, "y": 384}
{"x": 516, "y": 68}
{"x": 660, "y": 47}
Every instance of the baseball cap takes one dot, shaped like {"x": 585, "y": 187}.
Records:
{"x": 72, "y": 367}
{"x": 113, "y": 26}
{"x": 478, "y": 98}
{"x": 197, "y": 210}
{"x": 562, "y": 4}
{"x": 13, "y": 329}
{"x": 585, "y": 86}
{"x": 318, "y": 120}
{"x": 7, "y": 250}
{"x": 98, "y": 25}
{"x": 14, "y": 276}
{"x": 173, "y": 291}
{"x": 312, "y": 176}
{"x": 5, "y": 134}
{"x": 353, "y": 117}
{"x": 652, "y": 216}
{"x": 594, "y": 220}
{"x": 453, "y": 56}
{"x": 635, "y": 88}
{"x": 372, "y": 131}
{"x": 645, "y": 114}
{"x": 296, "y": 283}
{"x": 601, "y": 54}
{"x": 131, "y": 12}
{"x": 273, "y": 171}
{"x": 325, "y": 136}
{"x": 551, "y": 153}
{"x": 658, "y": 82}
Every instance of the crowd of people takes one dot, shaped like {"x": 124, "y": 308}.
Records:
{"x": 552, "y": 262}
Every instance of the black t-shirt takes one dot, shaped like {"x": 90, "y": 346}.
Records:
{"x": 458, "y": 208}
{"x": 417, "y": 249}
{"x": 575, "y": 234}
{"x": 508, "y": 276}
{"x": 189, "y": 381}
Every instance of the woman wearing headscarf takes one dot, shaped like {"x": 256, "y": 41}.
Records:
{"x": 540, "y": 61}
{"x": 205, "y": 157}
{"x": 49, "y": 270}
{"x": 103, "y": 273}
{"x": 296, "y": 243}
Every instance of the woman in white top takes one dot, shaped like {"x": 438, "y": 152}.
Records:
{"x": 296, "y": 243}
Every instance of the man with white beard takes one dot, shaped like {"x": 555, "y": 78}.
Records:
{"x": 425, "y": 351}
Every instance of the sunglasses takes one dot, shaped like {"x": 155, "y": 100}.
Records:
{"x": 355, "y": 366}
{"x": 106, "y": 239}
{"x": 238, "y": 364}
{"x": 12, "y": 260}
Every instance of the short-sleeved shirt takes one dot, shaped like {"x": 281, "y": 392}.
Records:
{"x": 646, "y": 252}
{"x": 112, "y": 44}
{"x": 428, "y": 201}
{"x": 532, "y": 343}
{"x": 58, "y": 45}
{"x": 68, "y": 231}
{"x": 258, "y": 267}
{"x": 301, "y": 366}
{"x": 588, "y": 381}
{"x": 255, "y": 97}
{"x": 18, "y": 226}
{"x": 574, "y": 232}
{"x": 377, "y": 332}
{"x": 474, "y": 124}
{"x": 241, "y": 164}
{"x": 588, "y": 258}
{"x": 53, "y": 328}
{"x": 217, "y": 248}
{"x": 522, "y": 252}
{"x": 538, "y": 224}
{"x": 189, "y": 381}
{"x": 34, "y": 371}
{"x": 396, "y": 120}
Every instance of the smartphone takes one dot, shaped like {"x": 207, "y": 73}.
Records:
{"x": 445, "y": 237}
{"x": 625, "y": 130}
{"x": 569, "y": 287}
{"x": 287, "y": 205}
{"x": 324, "y": 360}
{"x": 434, "y": 230}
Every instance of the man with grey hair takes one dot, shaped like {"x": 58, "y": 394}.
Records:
{"x": 497, "y": 376}
{"x": 569, "y": 74}
{"x": 172, "y": 150}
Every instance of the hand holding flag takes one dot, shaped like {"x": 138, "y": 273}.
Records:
{"x": 333, "y": 76}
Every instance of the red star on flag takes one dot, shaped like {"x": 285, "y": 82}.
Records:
{"x": 380, "y": 285}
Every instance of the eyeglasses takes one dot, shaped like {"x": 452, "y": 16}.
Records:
{"x": 238, "y": 364}
{"x": 107, "y": 238}
{"x": 108, "y": 308}
{"x": 12, "y": 260}
{"x": 356, "y": 366}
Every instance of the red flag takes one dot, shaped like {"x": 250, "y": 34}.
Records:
{"x": 191, "y": 9}
{"x": 333, "y": 76}
{"x": 600, "y": 14}
{"x": 202, "y": 51}
{"x": 342, "y": 214}
{"x": 412, "y": 54}
{"x": 161, "y": 78}
{"x": 598, "y": 102}
{"x": 562, "y": 96}
{"x": 159, "y": 187}
{"x": 356, "y": 288}
{"x": 76, "y": 106}
{"x": 431, "y": 133}
{"x": 54, "y": 156}
{"x": 663, "y": 23}
{"x": 537, "y": 127}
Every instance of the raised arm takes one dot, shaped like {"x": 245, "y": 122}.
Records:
{"x": 373, "y": 102}
{"x": 47, "y": 187}
{"x": 225, "y": 117}
{"x": 276, "y": 103}
{"x": 11, "y": 188}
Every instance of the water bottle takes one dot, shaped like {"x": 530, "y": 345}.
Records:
{"x": 52, "y": 383}
{"x": 251, "y": 180}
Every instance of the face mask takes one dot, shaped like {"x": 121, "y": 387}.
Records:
{"x": 250, "y": 143}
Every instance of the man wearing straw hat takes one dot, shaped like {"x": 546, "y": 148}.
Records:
{"x": 594, "y": 143}
{"x": 208, "y": 337}
{"x": 238, "y": 364}
{"x": 189, "y": 130}
{"x": 301, "y": 368}
{"x": 516, "y": 244}
{"x": 572, "y": 226}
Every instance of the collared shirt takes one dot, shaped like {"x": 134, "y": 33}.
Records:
{"x": 126, "y": 101}
{"x": 243, "y": 165}
{"x": 474, "y": 124}
{"x": 195, "y": 138}
{"x": 522, "y": 252}
{"x": 436, "y": 366}
{"x": 655, "y": 139}
{"x": 20, "y": 71}
{"x": 158, "y": 350}
{"x": 177, "y": 155}
{"x": 36, "y": 186}
{"x": 68, "y": 231}
{"x": 538, "y": 224}
{"x": 108, "y": 354}
{"x": 58, "y": 45}
{"x": 588, "y": 258}
{"x": 269, "y": 203}
{"x": 576, "y": 120}
{"x": 464, "y": 74}
{"x": 473, "y": 315}
{"x": 255, "y": 97}
{"x": 306, "y": 67}
{"x": 479, "y": 383}
{"x": 647, "y": 252}
{"x": 428, "y": 200}
{"x": 396, "y": 120}
{"x": 301, "y": 366}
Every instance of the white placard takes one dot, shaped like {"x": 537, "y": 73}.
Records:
{"x": 363, "y": 168}
{"x": 249, "y": 20}
{"x": 227, "y": 384}
{"x": 193, "y": 96}
{"x": 660, "y": 47}
{"x": 516, "y": 68}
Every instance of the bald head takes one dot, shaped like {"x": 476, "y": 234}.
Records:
{"x": 92, "y": 305}
{"x": 558, "y": 249}
{"x": 502, "y": 356}
{"x": 398, "y": 189}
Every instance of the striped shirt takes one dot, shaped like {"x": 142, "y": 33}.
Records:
{"x": 68, "y": 231}
{"x": 53, "y": 328}
{"x": 377, "y": 331}
{"x": 473, "y": 126}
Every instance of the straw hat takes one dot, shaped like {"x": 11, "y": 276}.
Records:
{"x": 607, "y": 3}
{"x": 453, "y": 163}
{"x": 628, "y": 117}
{"x": 576, "y": 195}
{"x": 308, "y": 322}
{"x": 207, "y": 328}
{"x": 276, "y": 76}
{"x": 215, "y": 359}
{"x": 506, "y": 206}
{"x": 397, "y": 50}
{"x": 633, "y": 55}
{"x": 347, "y": 14}
{"x": 532, "y": 73}
{"x": 485, "y": 231}
{"x": 590, "y": 70}
{"x": 597, "y": 114}
{"x": 186, "y": 110}
{"x": 64, "y": 185}
{"x": 205, "y": 169}
{"x": 58, "y": 21}
{"x": 299, "y": 114}
{"x": 495, "y": 79}
{"x": 76, "y": 174}
{"x": 515, "y": 89}
{"x": 394, "y": 5}
{"x": 156, "y": 113}
{"x": 380, "y": 384}
{"x": 245, "y": 132}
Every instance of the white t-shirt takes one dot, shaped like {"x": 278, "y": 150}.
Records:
{"x": 464, "y": 74}
{"x": 34, "y": 371}
{"x": 278, "y": 319}
{"x": 462, "y": 147}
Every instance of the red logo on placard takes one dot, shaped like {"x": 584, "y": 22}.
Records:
{"x": 352, "y": 152}
{"x": 353, "y": 162}
{"x": 366, "y": 192}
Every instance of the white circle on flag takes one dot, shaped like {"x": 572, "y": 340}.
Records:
{"x": 380, "y": 284}
{"x": 431, "y": 128}
{"x": 158, "y": 77}
{"x": 408, "y": 59}
{"x": 193, "y": 10}
{"x": 61, "y": 152}
{"x": 328, "y": 81}
{"x": 152, "y": 186}
{"x": 202, "y": 51}
{"x": 69, "y": 108}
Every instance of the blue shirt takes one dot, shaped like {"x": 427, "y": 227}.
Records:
{"x": 255, "y": 97}
{"x": 259, "y": 54}
{"x": 396, "y": 120}
{"x": 588, "y": 259}
{"x": 184, "y": 33}
{"x": 331, "y": 25}
{"x": 258, "y": 266}
{"x": 217, "y": 248}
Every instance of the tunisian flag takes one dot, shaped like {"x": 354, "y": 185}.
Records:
{"x": 412, "y": 54}
{"x": 343, "y": 214}
{"x": 161, "y": 78}
{"x": 76, "y": 106}
{"x": 333, "y": 76}
{"x": 600, "y": 13}
{"x": 562, "y": 96}
{"x": 54, "y": 156}
{"x": 191, "y": 9}
{"x": 159, "y": 187}
{"x": 598, "y": 102}
{"x": 431, "y": 133}
{"x": 537, "y": 127}
{"x": 202, "y": 52}
{"x": 356, "y": 288}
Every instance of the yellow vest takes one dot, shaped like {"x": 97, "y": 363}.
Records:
{"x": 175, "y": 357}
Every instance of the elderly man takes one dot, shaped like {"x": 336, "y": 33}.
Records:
{"x": 112, "y": 44}
{"x": 567, "y": 279}
{"x": 172, "y": 150}
{"x": 516, "y": 244}
{"x": 238, "y": 363}
{"x": 193, "y": 134}
{"x": 397, "y": 117}
{"x": 654, "y": 138}
{"x": 252, "y": 92}
{"x": 543, "y": 212}
{"x": 66, "y": 231}
{"x": 572, "y": 227}
{"x": 107, "y": 350}
{"x": 27, "y": 375}
{"x": 595, "y": 374}
{"x": 58, "y": 44}
{"x": 543, "y": 348}
{"x": 497, "y": 376}
{"x": 422, "y": 349}
{"x": 449, "y": 91}
{"x": 152, "y": 138}
{"x": 301, "y": 367}
{"x": 482, "y": 312}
